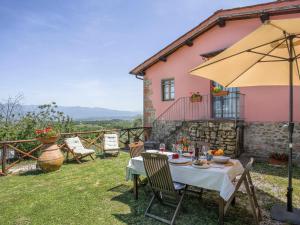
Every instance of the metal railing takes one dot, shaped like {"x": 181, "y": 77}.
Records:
{"x": 183, "y": 109}
{"x": 210, "y": 108}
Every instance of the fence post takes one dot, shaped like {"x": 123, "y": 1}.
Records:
{"x": 128, "y": 139}
{"x": 4, "y": 155}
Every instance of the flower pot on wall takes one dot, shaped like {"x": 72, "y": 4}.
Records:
{"x": 51, "y": 158}
{"x": 220, "y": 93}
{"x": 197, "y": 98}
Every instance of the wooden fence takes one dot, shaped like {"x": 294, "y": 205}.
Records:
{"x": 28, "y": 149}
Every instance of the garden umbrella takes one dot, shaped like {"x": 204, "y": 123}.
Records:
{"x": 268, "y": 56}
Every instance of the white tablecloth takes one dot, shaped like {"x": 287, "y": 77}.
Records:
{"x": 217, "y": 179}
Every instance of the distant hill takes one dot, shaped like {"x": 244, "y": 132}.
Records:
{"x": 90, "y": 113}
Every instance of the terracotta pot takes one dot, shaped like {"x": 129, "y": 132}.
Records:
{"x": 48, "y": 140}
{"x": 277, "y": 162}
{"x": 196, "y": 98}
{"x": 51, "y": 158}
{"x": 220, "y": 93}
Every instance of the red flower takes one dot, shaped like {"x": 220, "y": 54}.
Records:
{"x": 39, "y": 131}
{"x": 48, "y": 129}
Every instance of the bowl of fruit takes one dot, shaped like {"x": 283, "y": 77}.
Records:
{"x": 217, "y": 152}
{"x": 218, "y": 156}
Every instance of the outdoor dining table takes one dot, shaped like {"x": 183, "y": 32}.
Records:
{"x": 217, "y": 178}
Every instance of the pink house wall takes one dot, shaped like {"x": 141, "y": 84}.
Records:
{"x": 261, "y": 103}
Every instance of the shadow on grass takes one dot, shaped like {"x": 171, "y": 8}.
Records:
{"x": 264, "y": 168}
{"x": 73, "y": 161}
{"x": 122, "y": 188}
{"x": 197, "y": 211}
{"x": 31, "y": 173}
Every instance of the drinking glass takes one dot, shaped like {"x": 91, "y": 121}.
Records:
{"x": 205, "y": 150}
{"x": 174, "y": 148}
{"x": 179, "y": 149}
{"x": 162, "y": 147}
{"x": 191, "y": 151}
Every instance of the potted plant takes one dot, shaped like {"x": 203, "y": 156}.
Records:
{"x": 278, "y": 159}
{"x": 218, "y": 91}
{"x": 47, "y": 135}
{"x": 51, "y": 158}
{"x": 195, "y": 97}
{"x": 185, "y": 143}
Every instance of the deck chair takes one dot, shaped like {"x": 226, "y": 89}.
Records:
{"x": 245, "y": 179}
{"x": 75, "y": 147}
{"x": 164, "y": 189}
{"x": 111, "y": 144}
{"x": 136, "y": 148}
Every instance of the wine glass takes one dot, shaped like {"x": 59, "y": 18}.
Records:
{"x": 174, "y": 148}
{"x": 191, "y": 151}
{"x": 179, "y": 149}
{"x": 162, "y": 147}
{"x": 205, "y": 150}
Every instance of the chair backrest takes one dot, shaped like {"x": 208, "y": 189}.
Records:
{"x": 249, "y": 165}
{"x": 158, "y": 172}
{"x": 136, "y": 148}
{"x": 246, "y": 179}
{"x": 74, "y": 144}
{"x": 111, "y": 142}
{"x": 244, "y": 174}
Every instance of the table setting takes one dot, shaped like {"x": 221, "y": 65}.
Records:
{"x": 205, "y": 168}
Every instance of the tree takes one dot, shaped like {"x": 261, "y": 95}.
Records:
{"x": 10, "y": 112}
{"x": 10, "y": 109}
{"x": 137, "y": 122}
{"x": 14, "y": 124}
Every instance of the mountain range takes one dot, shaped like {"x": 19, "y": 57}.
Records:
{"x": 90, "y": 113}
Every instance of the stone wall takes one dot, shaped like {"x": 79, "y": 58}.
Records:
{"x": 257, "y": 139}
{"x": 149, "y": 111}
{"x": 263, "y": 138}
{"x": 220, "y": 134}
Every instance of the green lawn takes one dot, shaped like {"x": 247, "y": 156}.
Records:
{"x": 96, "y": 192}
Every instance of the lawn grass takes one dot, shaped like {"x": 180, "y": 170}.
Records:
{"x": 96, "y": 192}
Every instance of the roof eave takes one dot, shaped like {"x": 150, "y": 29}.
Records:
{"x": 237, "y": 16}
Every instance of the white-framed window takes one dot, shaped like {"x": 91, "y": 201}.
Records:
{"x": 168, "y": 89}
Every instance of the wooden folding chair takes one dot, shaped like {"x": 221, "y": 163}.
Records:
{"x": 164, "y": 189}
{"x": 136, "y": 148}
{"x": 111, "y": 144}
{"x": 247, "y": 181}
{"x": 78, "y": 151}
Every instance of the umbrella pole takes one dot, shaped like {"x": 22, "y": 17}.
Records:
{"x": 291, "y": 129}
{"x": 279, "y": 212}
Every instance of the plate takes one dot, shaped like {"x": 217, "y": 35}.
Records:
{"x": 221, "y": 159}
{"x": 205, "y": 166}
{"x": 186, "y": 155}
{"x": 152, "y": 151}
{"x": 179, "y": 161}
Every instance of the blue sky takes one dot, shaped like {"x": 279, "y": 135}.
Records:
{"x": 79, "y": 52}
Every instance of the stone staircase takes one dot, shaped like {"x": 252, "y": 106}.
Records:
{"x": 165, "y": 131}
{"x": 167, "y": 124}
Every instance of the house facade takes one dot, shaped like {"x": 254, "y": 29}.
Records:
{"x": 262, "y": 111}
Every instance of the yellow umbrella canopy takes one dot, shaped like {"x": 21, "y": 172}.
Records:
{"x": 259, "y": 59}
{"x": 267, "y": 56}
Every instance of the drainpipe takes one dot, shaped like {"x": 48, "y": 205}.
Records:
{"x": 138, "y": 77}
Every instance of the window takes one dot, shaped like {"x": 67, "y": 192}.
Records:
{"x": 227, "y": 107}
{"x": 168, "y": 91}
